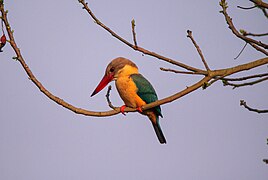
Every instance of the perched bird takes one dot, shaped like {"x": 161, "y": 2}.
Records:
{"x": 134, "y": 90}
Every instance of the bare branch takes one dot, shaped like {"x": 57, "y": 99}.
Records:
{"x": 243, "y": 103}
{"x": 198, "y": 49}
{"x": 221, "y": 74}
{"x": 239, "y": 68}
{"x": 260, "y": 3}
{"x": 265, "y": 12}
{"x": 247, "y": 8}
{"x": 246, "y": 77}
{"x": 226, "y": 83}
{"x": 241, "y": 51}
{"x": 179, "y": 94}
{"x": 108, "y": 97}
{"x": 195, "y": 86}
{"x": 180, "y": 72}
{"x": 133, "y": 32}
{"x": 255, "y": 44}
{"x": 80, "y": 110}
{"x": 140, "y": 49}
{"x": 38, "y": 84}
{"x": 255, "y": 34}
{"x": 261, "y": 6}
{"x": 206, "y": 79}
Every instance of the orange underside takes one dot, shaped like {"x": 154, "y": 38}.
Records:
{"x": 128, "y": 91}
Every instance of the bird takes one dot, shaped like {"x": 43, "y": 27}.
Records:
{"x": 134, "y": 89}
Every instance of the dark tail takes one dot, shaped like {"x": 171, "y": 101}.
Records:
{"x": 159, "y": 133}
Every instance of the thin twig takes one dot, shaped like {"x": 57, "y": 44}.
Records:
{"x": 246, "y": 77}
{"x": 108, "y": 98}
{"x": 247, "y": 8}
{"x": 260, "y": 3}
{"x": 198, "y": 49}
{"x": 226, "y": 83}
{"x": 241, "y": 51}
{"x": 265, "y": 12}
{"x": 180, "y": 72}
{"x": 243, "y": 103}
{"x": 133, "y": 32}
{"x": 255, "y": 34}
{"x": 225, "y": 80}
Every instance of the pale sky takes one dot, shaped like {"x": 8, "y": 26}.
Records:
{"x": 209, "y": 136}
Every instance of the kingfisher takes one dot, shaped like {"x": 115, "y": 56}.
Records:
{"x": 134, "y": 89}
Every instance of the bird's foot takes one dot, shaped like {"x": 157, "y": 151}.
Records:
{"x": 122, "y": 109}
{"x": 139, "y": 109}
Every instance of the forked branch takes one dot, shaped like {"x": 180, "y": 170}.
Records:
{"x": 258, "y": 45}
{"x": 137, "y": 48}
{"x": 63, "y": 103}
{"x": 208, "y": 74}
{"x": 243, "y": 103}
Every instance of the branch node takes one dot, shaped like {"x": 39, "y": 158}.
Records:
{"x": 16, "y": 58}
{"x": 205, "y": 85}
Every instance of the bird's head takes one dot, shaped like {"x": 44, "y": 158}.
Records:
{"x": 113, "y": 70}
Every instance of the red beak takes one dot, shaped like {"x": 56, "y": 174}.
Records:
{"x": 105, "y": 80}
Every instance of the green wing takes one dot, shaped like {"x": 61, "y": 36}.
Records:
{"x": 146, "y": 91}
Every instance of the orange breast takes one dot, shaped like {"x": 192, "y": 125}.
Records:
{"x": 128, "y": 92}
{"x": 127, "y": 88}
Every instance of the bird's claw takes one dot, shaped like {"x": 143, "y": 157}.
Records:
{"x": 139, "y": 109}
{"x": 122, "y": 109}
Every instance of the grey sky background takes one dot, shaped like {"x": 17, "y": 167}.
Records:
{"x": 209, "y": 136}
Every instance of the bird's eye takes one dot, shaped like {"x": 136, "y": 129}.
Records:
{"x": 112, "y": 69}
